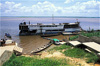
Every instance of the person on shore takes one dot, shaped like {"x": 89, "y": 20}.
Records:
{"x": 29, "y": 22}
{"x": 69, "y": 37}
{"x": 2, "y": 41}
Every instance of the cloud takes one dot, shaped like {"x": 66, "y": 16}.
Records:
{"x": 10, "y": 7}
{"x": 88, "y": 7}
{"x": 0, "y": 6}
{"x": 41, "y": 8}
{"x": 46, "y": 8}
{"x": 91, "y": 4}
{"x": 68, "y": 1}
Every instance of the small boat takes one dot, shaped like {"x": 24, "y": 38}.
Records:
{"x": 56, "y": 41}
{"x": 7, "y": 35}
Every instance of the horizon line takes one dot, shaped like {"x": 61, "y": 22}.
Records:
{"x": 55, "y": 16}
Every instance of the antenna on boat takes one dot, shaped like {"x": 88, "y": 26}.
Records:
{"x": 77, "y": 20}
{"x": 29, "y": 22}
{"x": 52, "y": 18}
{"x": 23, "y": 20}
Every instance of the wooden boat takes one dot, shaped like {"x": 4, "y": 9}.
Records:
{"x": 41, "y": 48}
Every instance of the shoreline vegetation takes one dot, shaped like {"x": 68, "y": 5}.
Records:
{"x": 61, "y": 55}
{"x": 90, "y": 34}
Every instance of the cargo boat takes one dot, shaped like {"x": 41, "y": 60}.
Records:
{"x": 39, "y": 28}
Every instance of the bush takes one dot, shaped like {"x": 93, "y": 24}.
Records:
{"x": 86, "y": 34}
{"x": 74, "y": 37}
{"x": 91, "y": 58}
{"x": 91, "y": 34}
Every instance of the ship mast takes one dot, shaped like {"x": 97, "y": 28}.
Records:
{"x": 77, "y": 20}
{"x": 52, "y": 18}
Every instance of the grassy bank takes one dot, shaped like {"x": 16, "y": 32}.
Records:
{"x": 38, "y": 61}
{"x": 61, "y": 47}
{"x": 34, "y": 61}
{"x": 76, "y": 53}
{"x": 80, "y": 53}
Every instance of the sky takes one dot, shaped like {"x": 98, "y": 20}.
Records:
{"x": 84, "y": 8}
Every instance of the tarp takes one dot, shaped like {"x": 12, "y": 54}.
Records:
{"x": 55, "y": 39}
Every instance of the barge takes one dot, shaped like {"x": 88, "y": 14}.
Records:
{"x": 39, "y": 28}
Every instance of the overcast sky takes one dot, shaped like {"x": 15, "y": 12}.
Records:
{"x": 88, "y": 8}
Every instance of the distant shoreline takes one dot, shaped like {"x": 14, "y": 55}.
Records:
{"x": 49, "y": 16}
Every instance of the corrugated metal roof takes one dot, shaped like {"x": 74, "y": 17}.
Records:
{"x": 74, "y": 43}
{"x": 93, "y": 45}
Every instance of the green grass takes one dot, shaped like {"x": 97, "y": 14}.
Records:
{"x": 76, "y": 53}
{"x": 61, "y": 47}
{"x": 80, "y": 53}
{"x": 97, "y": 34}
{"x": 73, "y": 37}
{"x": 28, "y": 61}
